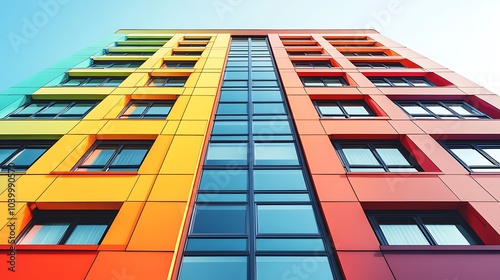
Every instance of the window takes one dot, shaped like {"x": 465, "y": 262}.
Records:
{"x": 312, "y": 64}
{"x": 324, "y": 81}
{"x": 116, "y": 64}
{"x": 187, "y": 53}
{"x": 441, "y": 110}
{"x": 114, "y": 156}
{"x": 53, "y": 110}
{"x": 92, "y": 82}
{"x": 21, "y": 153}
{"x": 345, "y": 38}
{"x": 50, "y": 227}
{"x": 289, "y": 267}
{"x": 343, "y": 109}
{"x": 129, "y": 53}
{"x": 375, "y": 157}
{"x": 180, "y": 64}
{"x": 476, "y": 156}
{"x": 400, "y": 82}
{"x": 364, "y": 53}
{"x": 194, "y": 45}
{"x": 197, "y": 38}
{"x": 214, "y": 268}
{"x": 305, "y": 53}
{"x": 386, "y": 65}
{"x": 161, "y": 39}
{"x": 167, "y": 81}
{"x": 219, "y": 219}
{"x": 146, "y": 110}
{"x": 421, "y": 228}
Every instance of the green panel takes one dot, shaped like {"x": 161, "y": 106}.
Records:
{"x": 9, "y": 103}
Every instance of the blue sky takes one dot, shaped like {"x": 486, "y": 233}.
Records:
{"x": 461, "y": 35}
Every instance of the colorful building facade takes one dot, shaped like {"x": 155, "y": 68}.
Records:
{"x": 249, "y": 154}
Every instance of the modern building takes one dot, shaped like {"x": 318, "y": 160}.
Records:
{"x": 249, "y": 154}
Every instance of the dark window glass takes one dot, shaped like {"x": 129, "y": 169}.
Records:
{"x": 275, "y": 154}
{"x": 324, "y": 81}
{"x": 92, "y": 82}
{"x": 53, "y": 110}
{"x": 116, "y": 64}
{"x": 268, "y": 108}
{"x": 476, "y": 156}
{"x": 219, "y": 219}
{"x": 386, "y": 65}
{"x": 114, "y": 156}
{"x": 213, "y": 268}
{"x": 187, "y": 53}
{"x": 232, "y": 109}
{"x": 180, "y": 64}
{"x": 363, "y": 53}
{"x": 224, "y": 180}
{"x": 400, "y": 82}
{"x": 146, "y": 110}
{"x": 230, "y": 127}
{"x": 375, "y": 157}
{"x": 421, "y": 228}
{"x": 233, "y": 96}
{"x": 216, "y": 244}
{"x": 343, "y": 109}
{"x": 308, "y": 53}
{"x": 129, "y": 53}
{"x": 279, "y": 180}
{"x": 50, "y": 227}
{"x": 167, "y": 81}
{"x": 286, "y": 219}
{"x": 441, "y": 110}
{"x": 21, "y": 153}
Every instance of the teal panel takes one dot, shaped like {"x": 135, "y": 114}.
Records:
{"x": 19, "y": 90}
{"x": 88, "y": 52}
{"x": 9, "y": 103}
{"x": 41, "y": 78}
{"x": 56, "y": 81}
{"x": 70, "y": 62}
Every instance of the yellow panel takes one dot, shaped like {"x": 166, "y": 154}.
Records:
{"x": 214, "y": 64}
{"x": 123, "y": 90}
{"x": 174, "y": 40}
{"x": 172, "y": 188}
{"x": 96, "y": 72}
{"x": 188, "y": 91}
{"x": 28, "y": 188}
{"x": 75, "y": 90}
{"x": 159, "y": 227}
{"x": 199, "y": 108}
{"x": 153, "y": 62}
{"x": 218, "y": 53}
{"x": 87, "y": 127}
{"x": 222, "y": 41}
{"x": 171, "y": 127}
{"x": 86, "y": 188}
{"x": 100, "y": 111}
{"x": 55, "y": 155}
{"x": 183, "y": 155}
{"x": 37, "y": 127}
{"x": 205, "y": 91}
{"x": 156, "y": 155}
{"x": 134, "y": 79}
{"x": 81, "y": 144}
{"x": 127, "y": 126}
{"x": 179, "y": 108}
{"x": 21, "y": 218}
{"x": 122, "y": 227}
{"x": 118, "y": 107}
{"x": 192, "y": 80}
{"x": 142, "y": 188}
{"x": 209, "y": 80}
{"x": 192, "y": 128}
{"x": 159, "y": 90}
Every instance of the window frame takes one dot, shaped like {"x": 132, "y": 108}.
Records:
{"x": 317, "y": 104}
{"x": 179, "y": 64}
{"x": 305, "y": 53}
{"x": 371, "y": 146}
{"x": 417, "y": 217}
{"x": 378, "y": 65}
{"x": 445, "y": 104}
{"x": 166, "y": 81}
{"x": 87, "y": 80}
{"x": 106, "y": 217}
{"x": 47, "y": 105}
{"x": 313, "y": 64}
{"x": 119, "y": 147}
{"x": 449, "y": 145}
{"x": 150, "y": 103}
{"x": 368, "y": 54}
{"x": 112, "y": 63}
{"x": 21, "y": 146}
{"x": 403, "y": 79}
{"x": 341, "y": 79}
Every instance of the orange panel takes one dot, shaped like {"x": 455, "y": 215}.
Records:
{"x": 130, "y": 265}
{"x": 358, "y": 127}
{"x": 466, "y": 189}
{"x": 364, "y": 266}
{"x": 460, "y": 127}
{"x": 302, "y": 107}
{"x": 309, "y": 127}
{"x": 398, "y": 187}
{"x": 48, "y": 265}
{"x": 122, "y": 227}
{"x": 349, "y": 226}
{"x": 158, "y": 227}
{"x": 320, "y": 155}
{"x": 333, "y": 188}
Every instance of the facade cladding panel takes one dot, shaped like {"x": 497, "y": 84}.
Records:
{"x": 249, "y": 154}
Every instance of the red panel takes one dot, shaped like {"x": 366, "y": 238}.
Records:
{"x": 361, "y": 128}
{"x": 395, "y": 187}
{"x": 444, "y": 265}
{"x": 48, "y": 265}
{"x": 333, "y": 188}
{"x": 490, "y": 183}
{"x": 460, "y": 127}
{"x": 309, "y": 127}
{"x": 320, "y": 155}
{"x": 406, "y": 127}
{"x": 465, "y": 188}
{"x": 130, "y": 265}
{"x": 349, "y": 227}
{"x": 364, "y": 266}
{"x": 490, "y": 211}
